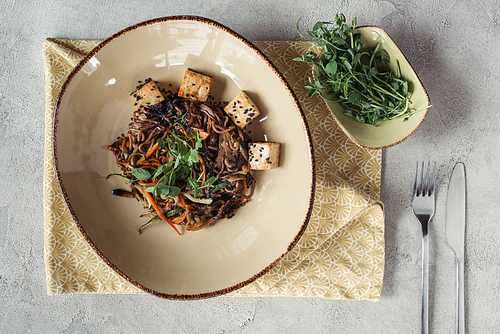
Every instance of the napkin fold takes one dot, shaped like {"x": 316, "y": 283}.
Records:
{"x": 339, "y": 256}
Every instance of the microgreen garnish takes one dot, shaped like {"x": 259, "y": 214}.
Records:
{"x": 219, "y": 186}
{"x": 196, "y": 185}
{"x": 358, "y": 76}
{"x": 141, "y": 174}
{"x": 211, "y": 184}
{"x": 184, "y": 150}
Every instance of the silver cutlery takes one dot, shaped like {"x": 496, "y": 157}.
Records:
{"x": 423, "y": 205}
{"x": 455, "y": 235}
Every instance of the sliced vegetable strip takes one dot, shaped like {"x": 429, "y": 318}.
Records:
{"x": 158, "y": 211}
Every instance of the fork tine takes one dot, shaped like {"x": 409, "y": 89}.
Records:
{"x": 421, "y": 186}
{"x": 424, "y": 185}
{"x": 431, "y": 190}
{"x": 427, "y": 180}
{"x": 415, "y": 184}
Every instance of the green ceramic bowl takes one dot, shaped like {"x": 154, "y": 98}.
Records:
{"x": 386, "y": 133}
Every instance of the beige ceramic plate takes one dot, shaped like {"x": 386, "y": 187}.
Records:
{"x": 385, "y": 133}
{"x": 94, "y": 108}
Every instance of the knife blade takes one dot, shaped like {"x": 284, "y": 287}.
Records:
{"x": 455, "y": 235}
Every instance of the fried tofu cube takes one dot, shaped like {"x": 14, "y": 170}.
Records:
{"x": 242, "y": 110}
{"x": 195, "y": 86}
{"x": 263, "y": 156}
{"x": 146, "y": 96}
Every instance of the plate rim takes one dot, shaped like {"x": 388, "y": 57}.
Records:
{"x": 292, "y": 95}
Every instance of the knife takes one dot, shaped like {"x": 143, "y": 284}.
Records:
{"x": 455, "y": 235}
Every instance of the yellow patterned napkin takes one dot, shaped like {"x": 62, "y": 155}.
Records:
{"x": 340, "y": 255}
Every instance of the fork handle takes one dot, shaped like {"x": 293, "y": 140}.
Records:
{"x": 460, "y": 315}
{"x": 425, "y": 282}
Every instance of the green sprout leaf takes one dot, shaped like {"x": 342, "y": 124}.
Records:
{"x": 141, "y": 174}
{"x": 359, "y": 78}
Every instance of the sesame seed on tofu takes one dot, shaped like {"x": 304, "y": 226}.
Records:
{"x": 242, "y": 107}
{"x": 264, "y": 155}
{"x": 195, "y": 86}
{"x": 147, "y": 94}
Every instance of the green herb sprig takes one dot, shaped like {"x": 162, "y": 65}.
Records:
{"x": 197, "y": 185}
{"x": 185, "y": 153}
{"x": 359, "y": 77}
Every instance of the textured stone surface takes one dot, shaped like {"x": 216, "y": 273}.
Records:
{"x": 454, "y": 48}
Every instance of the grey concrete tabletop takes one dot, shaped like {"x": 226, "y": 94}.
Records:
{"x": 453, "y": 46}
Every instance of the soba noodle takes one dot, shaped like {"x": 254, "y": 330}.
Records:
{"x": 186, "y": 162}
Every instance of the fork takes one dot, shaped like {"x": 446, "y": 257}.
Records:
{"x": 423, "y": 205}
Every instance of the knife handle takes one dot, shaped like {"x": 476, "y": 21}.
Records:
{"x": 460, "y": 315}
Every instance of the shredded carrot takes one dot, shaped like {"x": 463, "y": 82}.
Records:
{"x": 180, "y": 218}
{"x": 157, "y": 209}
{"x": 151, "y": 150}
{"x": 147, "y": 184}
{"x": 203, "y": 134}
{"x": 245, "y": 184}
{"x": 181, "y": 202}
{"x": 196, "y": 228}
{"x": 204, "y": 168}
{"x": 150, "y": 162}
{"x": 125, "y": 164}
{"x": 154, "y": 162}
